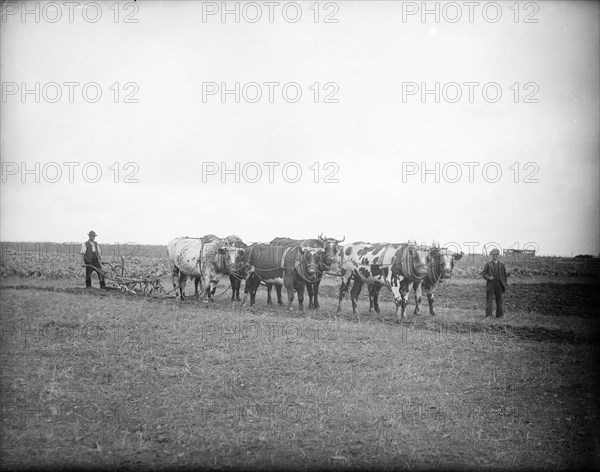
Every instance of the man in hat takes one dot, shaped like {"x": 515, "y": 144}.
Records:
{"x": 495, "y": 274}
{"x": 92, "y": 255}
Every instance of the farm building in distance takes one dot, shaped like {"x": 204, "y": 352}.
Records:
{"x": 515, "y": 253}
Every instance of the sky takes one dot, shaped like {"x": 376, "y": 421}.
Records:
{"x": 374, "y": 121}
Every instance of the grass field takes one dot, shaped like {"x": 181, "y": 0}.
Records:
{"x": 100, "y": 378}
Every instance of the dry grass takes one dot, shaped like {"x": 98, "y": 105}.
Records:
{"x": 105, "y": 379}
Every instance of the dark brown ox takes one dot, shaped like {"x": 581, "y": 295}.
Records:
{"x": 329, "y": 257}
{"x": 288, "y": 266}
{"x": 235, "y": 271}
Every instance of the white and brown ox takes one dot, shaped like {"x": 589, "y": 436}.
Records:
{"x": 203, "y": 258}
{"x": 440, "y": 263}
{"x": 394, "y": 266}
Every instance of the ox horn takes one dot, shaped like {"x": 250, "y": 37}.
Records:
{"x": 321, "y": 237}
{"x": 341, "y": 240}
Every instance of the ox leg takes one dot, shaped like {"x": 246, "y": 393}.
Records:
{"x": 238, "y": 285}
{"x": 315, "y": 295}
{"x": 254, "y": 288}
{"x": 291, "y": 285}
{"x": 246, "y": 289}
{"x": 355, "y": 292}
{"x": 279, "y": 296}
{"x": 175, "y": 280}
{"x": 343, "y": 288}
{"x": 208, "y": 288}
{"x": 310, "y": 290}
{"x": 235, "y": 288}
{"x": 290, "y": 294}
{"x": 404, "y": 290}
{"x": 252, "y": 284}
{"x": 300, "y": 289}
{"x": 269, "y": 288}
{"x": 418, "y": 296}
{"x": 374, "y": 298}
{"x": 197, "y": 282}
{"x": 182, "y": 283}
{"x": 430, "y": 300}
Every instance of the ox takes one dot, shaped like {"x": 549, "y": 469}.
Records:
{"x": 329, "y": 257}
{"x": 290, "y": 266}
{"x": 202, "y": 258}
{"x": 439, "y": 267}
{"x": 235, "y": 271}
{"x": 394, "y": 266}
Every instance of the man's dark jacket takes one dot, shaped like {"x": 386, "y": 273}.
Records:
{"x": 488, "y": 273}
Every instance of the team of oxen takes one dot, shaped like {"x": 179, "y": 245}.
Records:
{"x": 298, "y": 264}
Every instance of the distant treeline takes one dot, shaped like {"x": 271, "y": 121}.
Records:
{"x": 160, "y": 251}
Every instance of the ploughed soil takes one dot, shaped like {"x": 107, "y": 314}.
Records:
{"x": 546, "y": 298}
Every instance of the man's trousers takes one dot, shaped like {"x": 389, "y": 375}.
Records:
{"x": 497, "y": 293}
{"x": 88, "y": 273}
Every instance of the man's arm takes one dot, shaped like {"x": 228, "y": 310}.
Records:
{"x": 486, "y": 272}
{"x": 506, "y": 274}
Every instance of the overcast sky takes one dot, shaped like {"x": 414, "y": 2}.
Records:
{"x": 517, "y": 101}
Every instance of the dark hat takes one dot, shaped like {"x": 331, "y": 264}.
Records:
{"x": 494, "y": 251}
{"x": 92, "y": 233}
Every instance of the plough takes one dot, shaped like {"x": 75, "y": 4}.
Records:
{"x": 148, "y": 285}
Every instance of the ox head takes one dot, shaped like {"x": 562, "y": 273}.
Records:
{"x": 441, "y": 261}
{"x": 232, "y": 257}
{"x": 310, "y": 258}
{"x": 234, "y": 252}
{"x": 331, "y": 249}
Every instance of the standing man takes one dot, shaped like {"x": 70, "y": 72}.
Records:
{"x": 495, "y": 274}
{"x": 92, "y": 255}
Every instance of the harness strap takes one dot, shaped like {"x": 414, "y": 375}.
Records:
{"x": 199, "y": 264}
{"x": 398, "y": 261}
{"x": 435, "y": 278}
{"x": 407, "y": 263}
{"x": 300, "y": 270}
{"x": 284, "y": 255}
